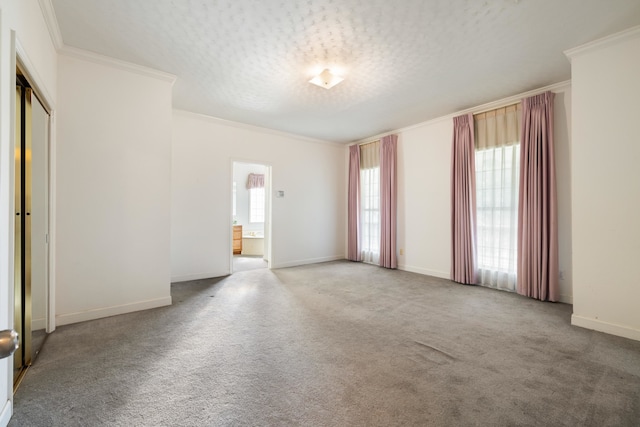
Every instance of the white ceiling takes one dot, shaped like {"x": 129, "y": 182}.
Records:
{"x": 404, "y": 61}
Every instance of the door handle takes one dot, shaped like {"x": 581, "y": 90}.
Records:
{"x": 8, "y": 342}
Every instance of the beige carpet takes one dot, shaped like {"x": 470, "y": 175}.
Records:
{"x": 334, "y": 344}
{"x": 248, "y": 262}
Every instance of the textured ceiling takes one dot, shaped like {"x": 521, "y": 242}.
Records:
{"x": 404, "y": 61}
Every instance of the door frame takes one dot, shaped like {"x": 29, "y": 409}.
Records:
{"x": 45, "y": 99}
{"x": 42, "y": 95}
{"x": 13, "y": 54}
{"x": 268, "y": 220}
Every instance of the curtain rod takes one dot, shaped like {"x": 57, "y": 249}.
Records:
{"x": 510, "y": 100}
{"x": 368, "y": 143}
{"x": 497, "y": 108}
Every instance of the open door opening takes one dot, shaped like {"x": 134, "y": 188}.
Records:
{"x": 251, "y": 216}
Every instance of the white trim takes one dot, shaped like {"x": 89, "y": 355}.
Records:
{"x": 199, "y": 276}
{"x": 74, "y": 52}
{"x": 31, "y": 73}
{"x": 6, "y": 413}
{"x": 37, "y": 324}
{"x": 603, "y": 42}
{"x": 7, "y": 198}
{"x": 51, "y": 313}
{"x": 49, "y": 15}
{"x": 98, "y": 313}
{"x": 296, "y": 263}
{"x": 424, "y": 271}
{"x": 566, "y": 299}
{"x": 224, "y": 122}
{"x": 556, "y": 87}
{"x": 606, "y": 327}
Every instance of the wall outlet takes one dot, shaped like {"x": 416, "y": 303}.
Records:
{"x": 561, "y": 274}
{"x": 401, "y": 251}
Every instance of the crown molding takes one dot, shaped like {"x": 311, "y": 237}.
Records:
{"x": 116, "y": 63}
{"x": 51, "y": 20}
{"x": 49, "y": 15}
{"x": 239, "y": 125}
{"x": 556, "y": 87}
{"x": 603, "y": 42}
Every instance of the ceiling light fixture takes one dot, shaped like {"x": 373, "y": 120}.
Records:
{"x": 326, "y": 79}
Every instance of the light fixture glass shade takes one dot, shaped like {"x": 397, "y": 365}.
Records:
{"x": 326, "y": 79}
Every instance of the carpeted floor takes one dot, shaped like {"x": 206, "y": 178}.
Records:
{"x": 248, "y": 262}
{"x": 334, "y": 344}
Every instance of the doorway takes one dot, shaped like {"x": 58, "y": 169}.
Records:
{"x": 31, "y": 253}
{"x": 251, "y": 216}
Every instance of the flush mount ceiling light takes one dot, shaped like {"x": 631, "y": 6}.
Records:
{"x": 326, "y": 79}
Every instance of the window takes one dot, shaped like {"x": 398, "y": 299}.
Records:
{"x": 497, "y": 173}
{"x": 256, "y": 204}
{"x": 497, "y": 180}
{"x": 370, "y": 214}
{"x": 370, "y": 202}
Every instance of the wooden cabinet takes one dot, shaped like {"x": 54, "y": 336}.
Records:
{"x": 237, "y": 239}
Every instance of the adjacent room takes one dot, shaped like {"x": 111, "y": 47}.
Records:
{"x": 250, "y": 216}
{"x": 320, "y": 213}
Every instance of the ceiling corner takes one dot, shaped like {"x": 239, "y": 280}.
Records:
{"x": 49, "y": 16}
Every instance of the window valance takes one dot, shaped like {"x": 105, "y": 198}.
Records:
{"x": 255, "y": 180}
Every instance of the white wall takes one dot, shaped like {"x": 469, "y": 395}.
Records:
{"x": 241, "y": 172}
{"x": 113, "y": 190}
{"x": 424, "y": 192}
{"x": 606, "y": 184}
{"x": 25, "y": 19}
{"x": 308, "y": 224}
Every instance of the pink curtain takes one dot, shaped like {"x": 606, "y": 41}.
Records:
{"x": 463, "y": 202}
{"x": 537, "y": 205}
{"x": 353, "y": 205}
{"x": 388, "y": 201}
{"x": 255, "y": 180}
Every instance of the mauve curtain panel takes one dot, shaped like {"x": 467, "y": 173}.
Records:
{"x": 353, "y": 204}
{"x": 388, "y": 201}
{"x": 537, "y": 206}
{"x": 463, "y": 202}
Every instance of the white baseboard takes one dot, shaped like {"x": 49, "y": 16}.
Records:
{"x": 6, "y": 413}
{"x": 606, "y": 327}
{"x": 567, "y": 299}
{"x": 199, "y": 276}
{"x": 298, "y": 262}
{"x": 424, "y": 271}
{"x": 98, "y": 313}
{"x": 37, "y": 324}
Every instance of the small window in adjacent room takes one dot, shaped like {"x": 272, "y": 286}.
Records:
{"x": 256, "y": 204}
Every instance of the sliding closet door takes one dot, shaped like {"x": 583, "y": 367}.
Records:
{"x": 22, "y": 261}
{"x": 31, "y": 281}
